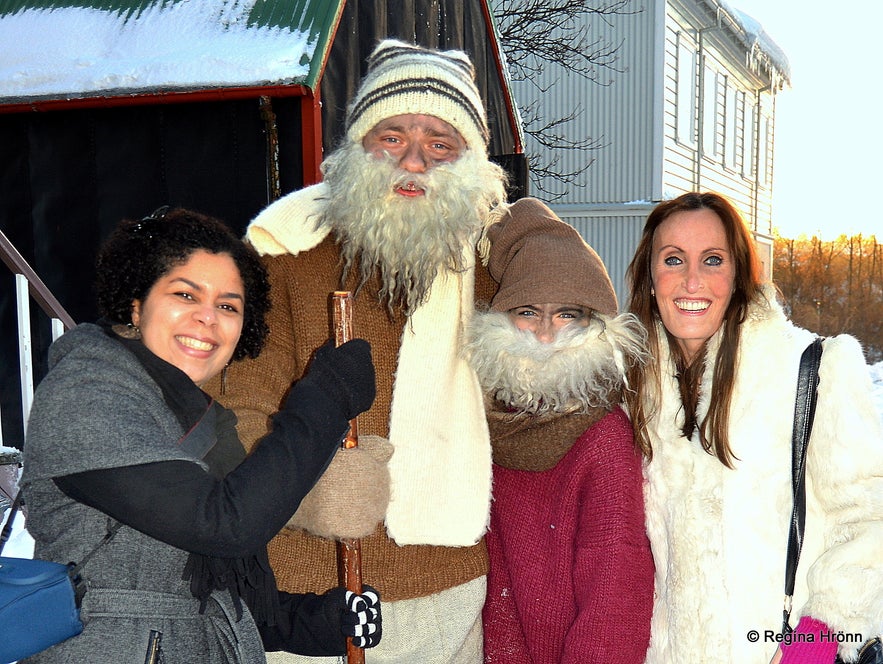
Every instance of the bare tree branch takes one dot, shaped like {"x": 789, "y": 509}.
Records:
{"x": 535, "y": 33}
{"x": 553, "y": 134}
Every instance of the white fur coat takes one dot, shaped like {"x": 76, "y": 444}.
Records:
{"x": 719, "y": 536}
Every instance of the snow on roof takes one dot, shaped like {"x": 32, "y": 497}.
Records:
{"x": 754, "y": 36}
{"x": 71, "y": 52}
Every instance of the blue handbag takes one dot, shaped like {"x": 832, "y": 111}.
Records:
{"x": 39, "y": 599}
{"x": 38, "y": 606}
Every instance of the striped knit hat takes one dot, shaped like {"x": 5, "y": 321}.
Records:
{"x": 404, "y": 79}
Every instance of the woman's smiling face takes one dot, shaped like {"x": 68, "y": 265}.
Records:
{"x": 192, "y": 316}
{"x": 693, "y": 276}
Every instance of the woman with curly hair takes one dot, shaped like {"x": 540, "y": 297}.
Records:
{"x": 123, "y": 444}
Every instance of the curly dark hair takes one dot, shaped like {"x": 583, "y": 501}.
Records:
{"x": 139, "y": 253}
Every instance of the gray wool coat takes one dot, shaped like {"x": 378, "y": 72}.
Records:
{"x": 99, "y": 409}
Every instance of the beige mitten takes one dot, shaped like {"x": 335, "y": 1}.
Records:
{"x": 350, "y": 498}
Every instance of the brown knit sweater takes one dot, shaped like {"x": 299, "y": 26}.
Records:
{"x": 299, "y": 323}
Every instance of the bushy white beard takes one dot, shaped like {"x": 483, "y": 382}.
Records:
{"x": 583, "y": 368}
{"x": 407, "y": 239}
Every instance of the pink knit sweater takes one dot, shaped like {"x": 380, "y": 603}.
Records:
{"x": 571, "y": 574}
{"x": 805, "y": 649}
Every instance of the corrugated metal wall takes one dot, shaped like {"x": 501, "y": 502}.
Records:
{"x": 616, "y": 112}
{"x": 609, "y": 203}
{"x": 614, "y": 236}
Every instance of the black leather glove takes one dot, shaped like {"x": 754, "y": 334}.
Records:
{"x": 361, "y": 618}
{"x": 346, "y": 374}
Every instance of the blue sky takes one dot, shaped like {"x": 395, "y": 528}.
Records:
{"x": 829, "y": 141}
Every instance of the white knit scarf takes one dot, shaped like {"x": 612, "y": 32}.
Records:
{"x": 441, "y": 469}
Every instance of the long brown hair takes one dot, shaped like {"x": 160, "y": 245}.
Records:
{"x": 644, "y": 382}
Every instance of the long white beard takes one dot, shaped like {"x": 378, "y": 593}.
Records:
{"x": 583, "y": 368}
{"x": 407, "y": 239}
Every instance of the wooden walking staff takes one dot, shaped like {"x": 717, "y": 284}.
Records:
{"x": 349, "y": 551}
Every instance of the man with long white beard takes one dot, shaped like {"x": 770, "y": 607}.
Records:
{"x": 571, "y": 574}
{"x": 397, "y": 220}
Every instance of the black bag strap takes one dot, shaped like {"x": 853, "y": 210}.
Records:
{"x": 7, "y": 527}
{"x": 112, "y": 528}
{"x": 804, "y": 412}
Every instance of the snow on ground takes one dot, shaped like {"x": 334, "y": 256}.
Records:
{"x": 876, "y": 371}
{"x": 21, "y": 545}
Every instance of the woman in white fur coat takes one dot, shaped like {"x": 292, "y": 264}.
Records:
{"x": 714, "y": 416}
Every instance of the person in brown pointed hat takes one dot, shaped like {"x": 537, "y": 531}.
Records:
{"x": 571, "y": 574}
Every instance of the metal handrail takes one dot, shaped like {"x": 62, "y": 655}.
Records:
{"x": 29, "y": 285}
{"x": 39, "y": 291}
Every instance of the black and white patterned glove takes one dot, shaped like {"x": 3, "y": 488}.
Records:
{"x": 361, "y": 618}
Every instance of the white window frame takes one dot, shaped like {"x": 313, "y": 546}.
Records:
{"x": 710, "y": 116}
{"x": 765, "y": 153}
{"x": 748, "y": 127}
{"x": 686, "y": 91}
{"x": 730, "y": 115}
